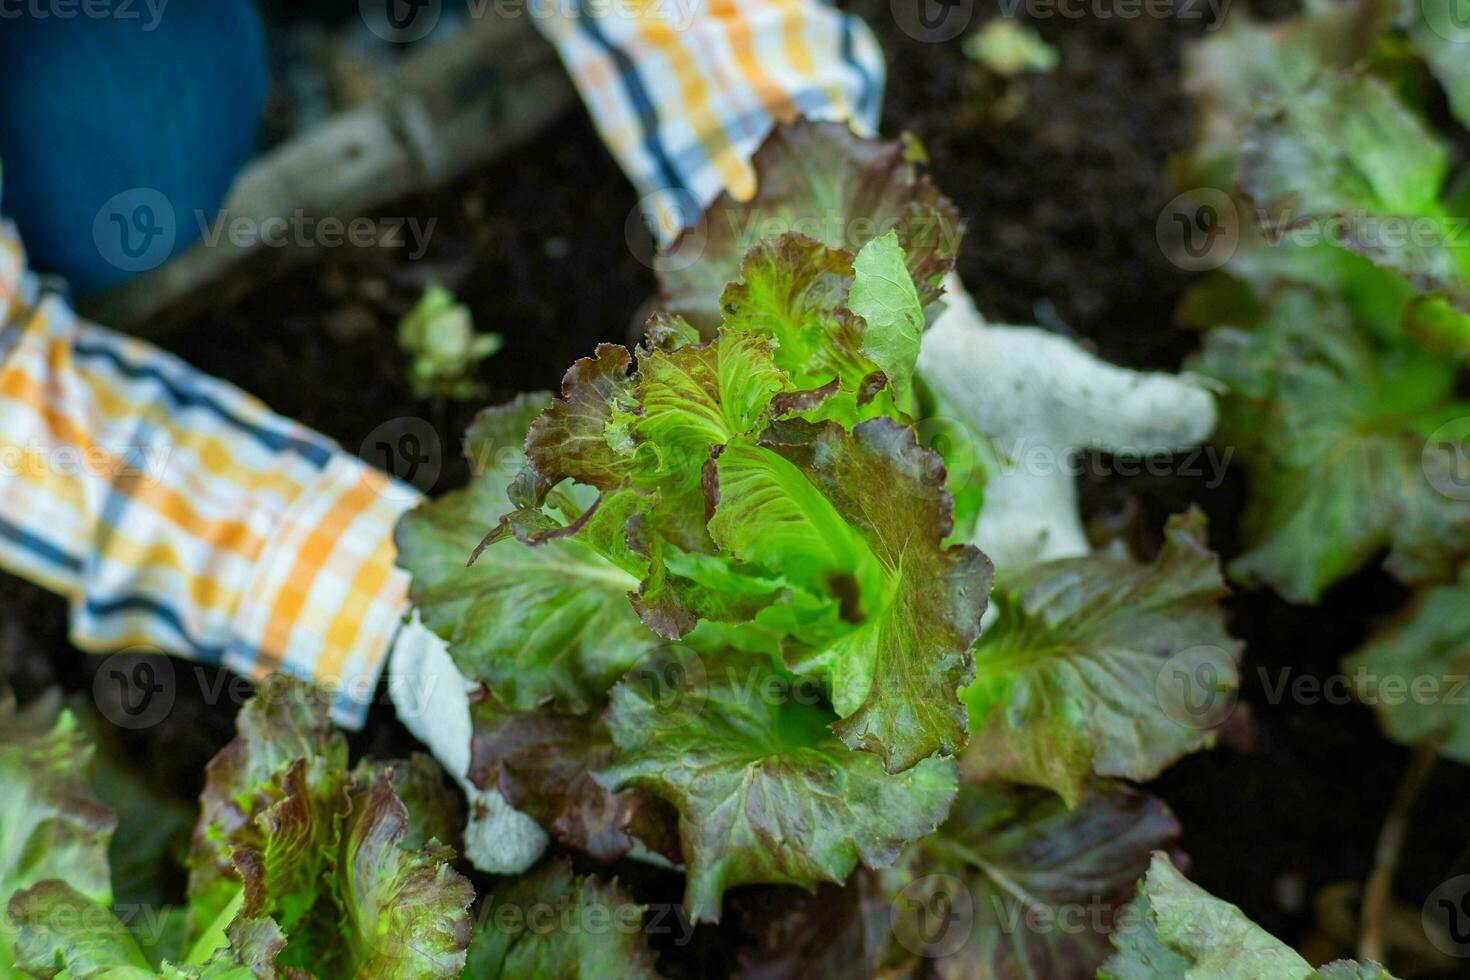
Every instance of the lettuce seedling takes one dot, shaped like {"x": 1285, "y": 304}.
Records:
{"x": 52, "y": 826}
{"x": 1331, "y": 323}
{"x": 725, "y": 617}
{"x": 296, "y": 862}
{"x": 760, "y": 496}
{"x": 440, "y": 338}
{"x": 1340, "y": 431}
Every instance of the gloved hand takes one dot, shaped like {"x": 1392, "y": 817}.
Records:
{"x": 1041, "y": 398}
{"x": 433, "y": 702}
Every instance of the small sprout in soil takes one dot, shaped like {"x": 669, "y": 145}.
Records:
{"x": 439, "y": 336}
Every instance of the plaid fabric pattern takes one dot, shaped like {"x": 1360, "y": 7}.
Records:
{"x": 684, "y": 91}
{"x": 175, "y": 512}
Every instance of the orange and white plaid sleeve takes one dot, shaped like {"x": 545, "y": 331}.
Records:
{"x": 177, "y": 513}
{"x": 684, "y": 91}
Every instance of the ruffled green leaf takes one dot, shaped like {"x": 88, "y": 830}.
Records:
{"x": 796, "y": 291}
{"x": 1175, "y": 929}
{"x": 1334, "y": 429}
{"x": 877, "y": 500}
{"x": 51, "y": 823}
{"x": 1245, "y": 59}
{"x": 700, "y": 396}
{"x": 327, "y": 857}
{"x": 284, "y": 765}
{"x": 58, "y": 928}
{"x": 406, "y": 911}
{"x": 64, "y": 932}
{"x": 544, "y": 623}
{"x": 1016, "y": 884}
{"x": 1068, "y": 678}
{"x": 550, "y": 924}
{"x": 1346, "y": 154}
{"x": 765, "y": 792}
{"x": 821, "y": 180}
{"x": 570, "y": 438}
{"x": 435, "y": 808}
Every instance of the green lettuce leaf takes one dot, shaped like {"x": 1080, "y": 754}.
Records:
{"x": 872, "y": 503}
{"x": 286, "y": 834}
{"x": 884, "y": 296}
{"x": 1016, "y": 884}
{"x": 763, "y": 489}
{"x": 544, "y": 623}
{"x": 435, "y": 808}
{"x": 821, "y": 180}
{"x": 406, "y": 911}
{"x": 264, "y": 791}
{"x": 62, "y": 931}
{"x": 551, "y": 924}
{"x": 1245, "y": 60}
{"x": 52, "y": 826}
{"x": 1175, "y": 929}
{"x": 1412, "y": 670}
{"x": 58, "y": 928}
{"x": 1324, "y": 115}
{"x": 765, "y": 792}
{"x": 1068, "y": 677}
{"x": 1333, "y": 426}
{"x": 1347, "y": 153}
{"x": 797, "y": 292}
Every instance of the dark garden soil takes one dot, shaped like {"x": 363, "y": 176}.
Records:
{"x": 1062, "y": 202}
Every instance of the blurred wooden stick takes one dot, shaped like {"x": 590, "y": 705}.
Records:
{"x": 453, "y": 106}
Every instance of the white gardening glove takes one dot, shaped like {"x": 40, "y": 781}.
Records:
{"x": 432, "y": 699}
{"x": 1041, "y": 398}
